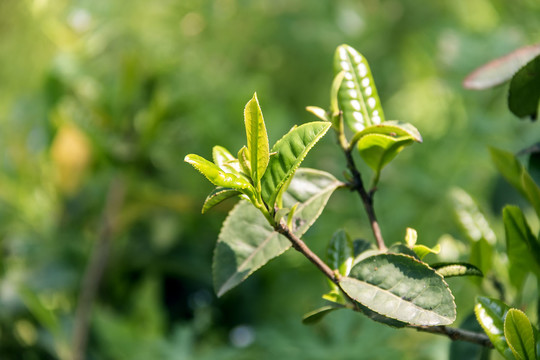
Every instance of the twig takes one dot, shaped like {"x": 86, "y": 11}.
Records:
{"x": 452, "y": 333}
{"x": 367, "y": 199}
{"x": 457, "y": 334}
{"x": 95, "y": 269}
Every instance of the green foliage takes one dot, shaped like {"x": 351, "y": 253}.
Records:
{"x": 524, "y": 94}
{"x": 402, "y": 288}
{"x": 247, "y": 241}
{"x": 491, "y": 313}
{"x": 456, "y": 269}
{"x": 519, "y": 334}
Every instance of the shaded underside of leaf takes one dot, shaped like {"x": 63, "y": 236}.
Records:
{"x": 316, "y": 315}
{"x": 218, "y": 195}
{"x": 290, "y": 151}
{"x": 358, "y": 98}
{"x": 247, "y": 242}
{"x": 524, "y": 92}
{"x": 502, "y": 69}
{"x": 402, "y": 288}
{"x": 340, "y": 252}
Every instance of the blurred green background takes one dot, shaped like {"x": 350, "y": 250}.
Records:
{"x": 95, "y": 93}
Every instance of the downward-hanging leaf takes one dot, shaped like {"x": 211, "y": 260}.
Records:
{"x": 402, "y": 288}
{"x": 490, "y": 313}
{"x": 521, "y": 246}
{"x": 519, "y": 335}
{"x": 247, "y": 242}
{"x": 524, "y": 92}
{"x": 358, "y": 98}
{"x": 257, "y": 140}
{"x": 218, "y": 195}
{"x": 290, "y": 151}
{"x": 316, "y": 315}
{"x": 377, "y": 150}
{"x": 217, "y": 176}
{"x": 502, "y": 69}
{"x": 449, "y": 269}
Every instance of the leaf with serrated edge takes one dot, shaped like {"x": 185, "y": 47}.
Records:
{"x": 318, "y": 112}
{"x": 216, "y": 176}
{"x": 402, "y": 288}
{"x": 247, "y": 242}
{"x": 423, "y": 250}
{"x": 221, "y": 156}
{"x": 519, "y": 335}
{"x": 257, "y": 140}
{"x": 291, "y": 150}
{"x": 218, "y": 195}
{"x": 490, "y": 314}
{"x": 340, "y": 252}
{"x": 358, "y": 98}
{"x": 450, "y": 269}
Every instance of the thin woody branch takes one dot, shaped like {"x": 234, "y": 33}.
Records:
{"x": 452, "y": 333}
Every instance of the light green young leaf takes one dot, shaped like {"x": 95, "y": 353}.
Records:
{"x": 221, "y": 156}
{"x": 316, "y": 315}
{"x": 391, "y": 128}
{"x": 519, "y": 335}
{"x": 318, "y": 112}
{"x": 451, "y": 269}
{"x": 257, "y": 139}
{"x": 340, "y": 252}
{"x": 290, "y": 151}
{"x": 358, "y": 98}
{"x": 524, "y": 92}
{"x": 377, "y": 150}
{"x": 410, "y": 237}
{"x": 243, "y": 160}
{"x": 247, "y": 242}
{"x": 422, "y": 250}
{"x": 334, "y": 94}
{"x": 490, "y": 313}
{"x": 218, "y": 195}
{"x": 402, "y": 288}
{"x": 217, "y": 176}
{"x": 521, "y": 246}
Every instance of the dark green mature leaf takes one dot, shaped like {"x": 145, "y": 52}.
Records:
{"x": 521, "y": 246}
{"x": 524, "y": 92}
{"x": 290, "y": 151}
{"x": 448, "y": 269}
{"x": 340, "y": 252}
{"x": 532, "y": 190}
{"x": 247, "y": 242}
{"x": 491, "y": 313}
{"x": 217, "y": 176}
{"x": 519, "y": 335}
{"x": 358, "y": 98}
{"x": 257, "y": 140}
{"x": 218, "y": 195}
{"x": 377, "y": 150}
{"x": 509, "y": 167}
{"x": 316, "y": 315}
{"x": 502, "y": 69}
{"x": 402, "y": 288}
